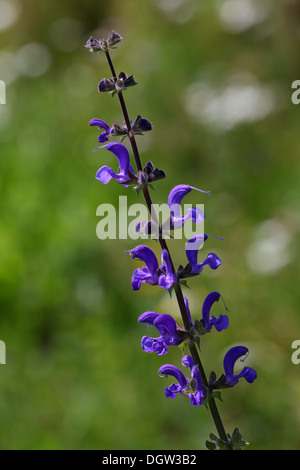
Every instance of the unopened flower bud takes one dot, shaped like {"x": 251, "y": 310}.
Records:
{"x": 113, "y": 39}
{"x": 106, "y": 84}
{"x": 141, "y": 125}
{"x": 103, "y": 45}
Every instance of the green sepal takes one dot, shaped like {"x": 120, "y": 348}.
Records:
{"x": 210, "y": 445}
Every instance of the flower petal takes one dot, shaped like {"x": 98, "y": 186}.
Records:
{"x": 168, "y": 278}
{"x": 178, "y": 192}
{"x": 193, "y": 246}
{"x": 105, "y": 174}
{"x": 148, "y": 256}
{"x": 122, "y": 154}
{"x": 99, "y": 123}
{"x": 188, "y": 309}
{"x": 229, "y": 361}
{"x": 166, "y": 326}
{"x": 168, "y": 369}
{"x": 147, "y": 318}
{"x": 222, "y": 322}
{"x": 187, "y": 361}
{"x": 207, "y": 304}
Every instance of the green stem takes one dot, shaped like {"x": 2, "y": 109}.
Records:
{"x": 178, "y": 291}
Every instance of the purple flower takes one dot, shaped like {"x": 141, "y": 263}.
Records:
{"x": 151, "y": 273}
{"x": 230, "y": 379}
{"x": 207, "y": 322}
{"x": 101, "y": 125}
{"x": 220, "y": 323}
{"x": 174, "y": 201}
{"x": 168, "y": 278}
{"x": 230, "y": 359}
{"x": 192, "y": 248}
{"x": 126, "y": 174}
{"x": 148, "y": 273}
{"x": 192, "y": 388}
{"x": 166, "y": 326}
{"x": 176, "y": 220}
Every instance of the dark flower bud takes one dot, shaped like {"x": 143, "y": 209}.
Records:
{"x": 115, "y": 85}
{"x": 93, "y": 45}
{"x": 142, "y": 178}
{"x": 149, "y": 168}
{"x": 124, "y": 81}
{"x": 113, "y": 39}
{"x": 153, "y": 174}
{"x": 106, "y": 84}
{"x": 120, "y": 83}
{"x": 141, "y": 125}
{"x": 117, "y": 129}
{"x": 130, "y": 81}
{"x": 156, "y": 175}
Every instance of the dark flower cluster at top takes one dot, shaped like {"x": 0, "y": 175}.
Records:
{"x": 162, "y": 274}
{"x": 93, "y": 45}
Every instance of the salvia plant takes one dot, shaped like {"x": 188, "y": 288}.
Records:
{"x": 190, "y": 379}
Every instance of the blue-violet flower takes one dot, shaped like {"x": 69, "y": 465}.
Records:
{"x": 152, "y": 273}
{"x": 174, "y": 200}
{"x": 207, "y": 322}
{"x": 230, "y": 379}
{"x": 166, "y": 326}
{"x": 192, "y": 248}
{"x": 126, "y": 175}
{"x": 192, "y": 388}
{"x": 220, "y": 323}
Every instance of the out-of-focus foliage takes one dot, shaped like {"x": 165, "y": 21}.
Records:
{"x": 215, "y": 80}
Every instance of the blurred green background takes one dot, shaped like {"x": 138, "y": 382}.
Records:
{"x": 215, "y": 80}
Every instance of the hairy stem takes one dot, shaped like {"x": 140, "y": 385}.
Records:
{"x": 178, "y": 291}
